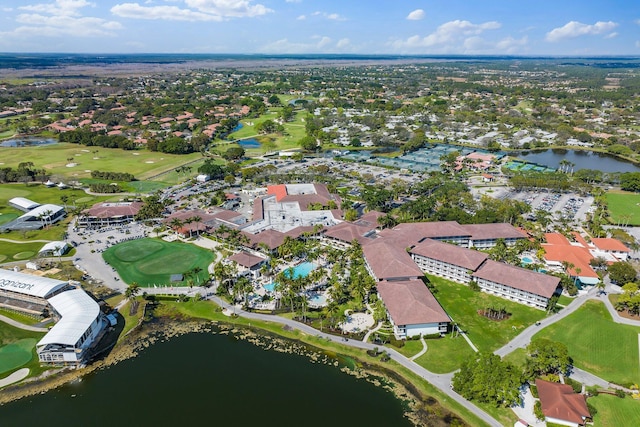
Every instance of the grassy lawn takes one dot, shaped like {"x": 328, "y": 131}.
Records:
{"x": 210, "y": 311}
{"x": 613, "y": 411}
{"x": 462, "y": 304}
{"x": 624, "y": 207}
{"x": 153, "y": 261}
{"x": 19, "y": 317}
{"x": 294, "y": 130}
{"x": 140, "y": 163}
{"x": 597, "y": 344}
{"x": 565, "y": 300}
{"x": 18, "y": 252}
{"x": 445, "y": 354}
{"x": 517, "y": 357}
{"x": 130, "y": 321}
{"x": 17, "y": 349}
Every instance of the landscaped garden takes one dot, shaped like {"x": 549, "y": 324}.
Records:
{"x": 464, "y": 305}
{"x": 597, "y": 344}
{"x": 151, "y": 262}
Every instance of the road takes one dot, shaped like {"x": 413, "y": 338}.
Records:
{"x": 12, "y": 322}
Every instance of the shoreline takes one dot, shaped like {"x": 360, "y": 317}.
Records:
{"x": 420, "y": 407}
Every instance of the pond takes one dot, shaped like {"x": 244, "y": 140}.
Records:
{"x": 581, "y": 159}
{"x": 201, "y": 378}
{"x": 249, "y": 143}
{"x": 27, "y": 142}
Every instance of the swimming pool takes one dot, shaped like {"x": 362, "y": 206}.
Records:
{"x": 300, "y": 270}
{"x": 318, "y": 300}
{"x": 527, "y": 260}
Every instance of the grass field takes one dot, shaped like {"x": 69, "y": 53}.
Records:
{"x": 18, "y": 251}
{"x": 445, "y": 354}
{"x": 597, "y": 344}
{"x": 624, "y": 207}
{"x": 54, "y": 158}
{"x": 153, "y": 261}
{"x": 295, "y": 131}
{"x": 17, "y": 348}
{"x": 613, "y": 411}
{"x": 462, "y": 304}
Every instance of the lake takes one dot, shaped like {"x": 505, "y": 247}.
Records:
{"x": 249, "y": 143}
{"x": 203, "y": 378}
{"x": 582, "y": 160}
{"x": 27, "y": 142}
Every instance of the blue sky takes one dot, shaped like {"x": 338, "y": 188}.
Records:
{"x": 517, "y": 27}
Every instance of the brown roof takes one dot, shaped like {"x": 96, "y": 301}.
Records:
{"x": 348, "y": 232}
{"x": 225, "y": 215}
{"x": 298, "y": 231}
{"x": 370, "y": 219}
{"x": 410, "y": 302}
{"x": 559, "y": 401}
{"x": 258, "y": 209}
{"x": 272, "y": 238}
{"x": 415, "y": 232}
{"x": 452, "y": 254}
{"x": 492, "y": 231}
{"x": 388, "y": 261}
{"x": 518, "y": 278}
{"x": 109, "y": 210}
{"x": 246, "y": 259}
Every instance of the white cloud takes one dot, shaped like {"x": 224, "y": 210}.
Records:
{"x": 638, "y": 44}
{"x": 59, "y": 7}
{"x": 575, "y": 29}
{"x": 301, "y": 17}
{"x": 446, "y": 35}
{"x": 60, "y": 18}
{"x": 416, "y": 15}
{"x": 293, "y": 1}
{"x": 196, "y": 10}
{"x": 229, "y": 8}
{"x": 166, "y": 13}
{"x": 612, "y": 35}
{"x": 322, "y": 44}
{"x": 330, "y": 16}
{"x": 511, "y": 45}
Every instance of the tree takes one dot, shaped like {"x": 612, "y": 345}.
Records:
{"x": 309, "y": 143}
{"x": 132, "y": 290}
{"x": 234, "y": 153}
{"x": 622, "y": 272}
{"x": 488, "y": 379}
{"x": 546, "y": 357}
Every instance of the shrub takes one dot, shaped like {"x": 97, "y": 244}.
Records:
{"x": 397, "y": 343}
{"x": 620, "y": 393}
{"x": 537, "y": 410}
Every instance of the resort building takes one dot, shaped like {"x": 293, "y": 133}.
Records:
{"x": 54, "y": 249}
{"x": 485, "y": 236}
{"x": 36, "y": 218}
{"x": 449, "y": 261}
{"x": 412, "y": 308}
{"x": 248, "y": 263}
{"x": 108, "y": 214}
{"x": 341, "y": 236}
{"x": 516, "y": 283}
{"x": 79, "y": 321}
{"x": 386, "y": 260}
{"x": 561, "y": 405}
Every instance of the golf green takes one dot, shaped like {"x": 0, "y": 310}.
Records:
{"x": 151, "y": 262}
{"x": 24, "y": 255}
{"x": 16, "y": 354}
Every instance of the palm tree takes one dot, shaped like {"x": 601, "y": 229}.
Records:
{"x": 175, "y": 224}
{"x": 601, "y": 287}
{"x": 132, "y": 290}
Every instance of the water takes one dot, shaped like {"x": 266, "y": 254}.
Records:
{"x": 27, "y": 142}
{"x": 198, "y": 377}
{"x": 300, "y": 270}
{"x": 526, "y": 260}
{"x": 249, "y": 143}
{"x": 270, "y": 286}
{"x": 582, "y": 160}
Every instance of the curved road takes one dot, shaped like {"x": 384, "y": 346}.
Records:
{"x": 12, "y": 322}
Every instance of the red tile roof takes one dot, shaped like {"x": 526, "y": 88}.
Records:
{"x": 410, "y": 302}
{"x": 492, "y": 231}
{"x": 110, "y": 210}
{"x": 272, "y": 238}
{"x": 414, "y": 232}
{"x": 559, "y": 401}
{"x": 609, "y": 244}
{"x": 452, "y": 254}
{"x": 245, "y": 259}
{"x": 348, "y": 232}
{"x": 518, "y": 278}
{"x": 280, "y": 191}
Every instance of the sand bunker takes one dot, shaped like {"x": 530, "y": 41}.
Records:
{"x": 71, "y": 165}
{"x": 86, "y": 151}
{"x": 136, "y": 154}
{"x": 96, "y": 158}
{"x": 149, "y": 161}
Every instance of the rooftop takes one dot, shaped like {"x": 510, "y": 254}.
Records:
{"x": 410, "y": 302}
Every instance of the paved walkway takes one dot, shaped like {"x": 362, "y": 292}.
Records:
{"x": 421, "y": 352}
{"x": 19, "y": 242}
{"x": 16, "y": 376}
{"x": 16, "y": 324}
{"x": 440, "y": 381}
{"x": 370, "y": 331}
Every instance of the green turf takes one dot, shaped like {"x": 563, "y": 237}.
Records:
{"x": 153, "y": 261}
{"x": 613, "y": 411}
{"x": 7, "y": 217}
{"x": 445, "y": 354}
{"x": 23, "y": 255}
{"x": 624, "y": 207}
{"x": 141, "y": 163}
{"x": 597, "y": 344}
{"x": 15, "y": 339}
{"x": 16, "y": 354}
{"x": 462, "y": 304}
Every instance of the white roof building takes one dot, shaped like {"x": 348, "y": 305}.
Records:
{"x": 23, "y": 204}
{"x": 35, "y": 286}
{"x": 54, "y": 248}
{"x": 44, "y": 212}
{"x": 78, "y": 312}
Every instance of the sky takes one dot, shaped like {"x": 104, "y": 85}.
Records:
{"x": 411, "y": 27}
